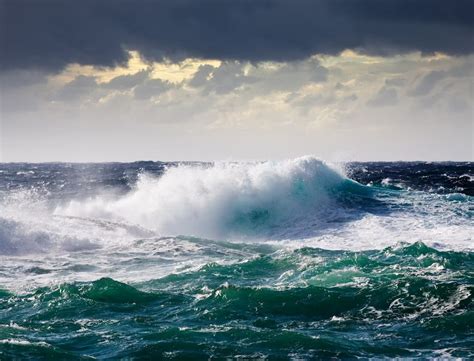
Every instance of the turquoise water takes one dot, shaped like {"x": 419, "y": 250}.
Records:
{"x": 411, "y": 301}
{"x": 287, "y": 261}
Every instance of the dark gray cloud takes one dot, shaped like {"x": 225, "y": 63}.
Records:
{"x": 428, "y": 82}
{"x": 223, "y": 79}
{"x": 77, "y": 88}
{"x": 151, "y": 88}
{"x": 50, "y": 34}
{"x": 200, "y": 78}
{"x": 125, "y": 82}
{"x": 384, "y": 97}
{"x": 395, "y": 82}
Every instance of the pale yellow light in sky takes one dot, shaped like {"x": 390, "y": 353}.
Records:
{"x": 347, "y": 56}
{"x": 166, "y": 70}
{"x": 357, "y": 58}
{"x": 177, "y": 72}
{"x": 102, "y": 74}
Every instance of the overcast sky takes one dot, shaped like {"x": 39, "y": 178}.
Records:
{"x": 103, "y": 80}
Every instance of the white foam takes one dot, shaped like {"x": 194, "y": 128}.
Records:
{"x": 83, "y": 240}
{"x": 28, "y": 225}
{"x": 224, "y": 200}
{"x": 289, "y": 204}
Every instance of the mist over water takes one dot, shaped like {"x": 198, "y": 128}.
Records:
{"x": 290, "y": 259}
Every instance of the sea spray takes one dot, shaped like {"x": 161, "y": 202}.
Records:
{"x": 230, "y": 199}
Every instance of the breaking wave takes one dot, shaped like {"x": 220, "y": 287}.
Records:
{"x": 231, "y": 199}
{"x": 304, "y": 201}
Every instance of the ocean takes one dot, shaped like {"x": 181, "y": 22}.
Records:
{"x": 288, "y": 260}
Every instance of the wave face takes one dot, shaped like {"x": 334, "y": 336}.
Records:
{"x": 296, "y": 259}
{"x": 231, "y": 200}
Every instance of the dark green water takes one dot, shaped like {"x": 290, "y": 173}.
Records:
{"x": 411, "y": 301}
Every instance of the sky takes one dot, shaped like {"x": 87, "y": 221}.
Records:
{"x": 123, "y": 80}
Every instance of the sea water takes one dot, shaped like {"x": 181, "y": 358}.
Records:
{"x": 288, "y": 260}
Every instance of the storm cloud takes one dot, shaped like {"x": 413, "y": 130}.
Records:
{"x": 50, "y": 34}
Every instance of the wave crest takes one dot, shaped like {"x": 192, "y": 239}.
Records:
{"x": 229, "y": 199}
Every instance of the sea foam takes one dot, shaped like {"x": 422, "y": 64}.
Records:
{"x": 227, "y": 199}
{"x": 303, "y": 202}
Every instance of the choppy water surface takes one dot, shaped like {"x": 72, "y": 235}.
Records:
{"x": 274, "y": 260}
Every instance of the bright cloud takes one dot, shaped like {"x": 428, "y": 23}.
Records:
{"x": 335, "y": 106}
